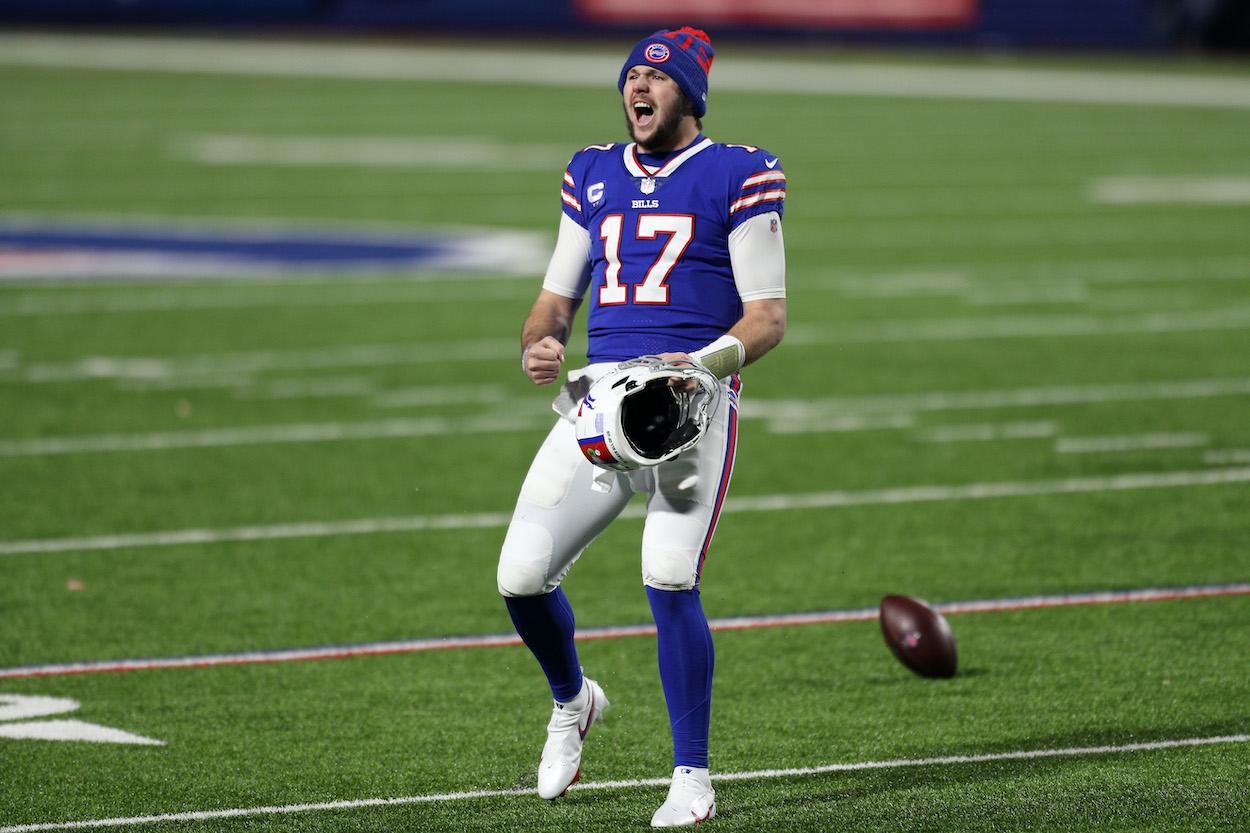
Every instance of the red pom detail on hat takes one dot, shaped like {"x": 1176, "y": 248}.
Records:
{"x": 691, "y": 35}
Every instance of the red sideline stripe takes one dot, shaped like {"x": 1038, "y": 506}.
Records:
{"x": 729, "y": 624}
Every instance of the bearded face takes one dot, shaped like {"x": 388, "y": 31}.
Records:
{"x": 656, "y": 111}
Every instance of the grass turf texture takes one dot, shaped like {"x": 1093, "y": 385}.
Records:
{"x": 253, "y": 737}
{"x": 933, "y": 246}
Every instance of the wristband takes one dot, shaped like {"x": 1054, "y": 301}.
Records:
{"x": 723, "y": 357}
{"x": 525, "y": 353}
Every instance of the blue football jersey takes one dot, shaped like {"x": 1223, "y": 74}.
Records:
{"x": 659, "y": 228}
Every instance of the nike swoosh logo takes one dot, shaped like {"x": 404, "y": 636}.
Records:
{"x": 582, "y": 732}
{"x": 771, "y": 163}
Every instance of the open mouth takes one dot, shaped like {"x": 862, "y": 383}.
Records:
{"x": 644, "y": 113}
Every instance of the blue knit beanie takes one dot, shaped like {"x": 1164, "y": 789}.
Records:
{"x": 684, "y": 55}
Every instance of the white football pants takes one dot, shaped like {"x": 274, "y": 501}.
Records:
{"x": 566, "y": 501}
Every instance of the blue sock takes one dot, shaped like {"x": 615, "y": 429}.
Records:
{"x": 686, "y": 662}
{"x": 545, "y": 624}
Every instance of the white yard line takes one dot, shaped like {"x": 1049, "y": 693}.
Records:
{"x": 986, "y": 432}
{"x": 1130, "y": 442}
{"x": 783, "y": 411}
{"x": 983, "y": 283}
{"x": 1114, "y": 443}
{"x": 958, "y": 279}
{"x": 922, "y": 235}
{"x": 320, "y": 387}
{"x": 424, "y": 396}
{"x": 756, "y": 775}
{"x": 801, "y": 335}
{"x": 257, "y": 361}
{"x": 567, "y": 67}
{"x": 273, "y": 434}
{"x": 986, "y": 328}
{"x": 1225, "y": 457}
{"x": 477, "y": 152}
{"x": 1229, "y": 189}
{"x": 311, "y": 529}
{"x": 838, "y": 414}
{"x": 1026, "y": 293}
{"x": 126, "y": 300}
{"x": 760, "y": 503}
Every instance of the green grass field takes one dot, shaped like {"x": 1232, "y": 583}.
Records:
{"x": 1018, "y": 364}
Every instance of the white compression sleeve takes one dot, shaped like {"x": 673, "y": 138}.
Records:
{"x": 568, "y": 272}
{"x": 758, "y": 254}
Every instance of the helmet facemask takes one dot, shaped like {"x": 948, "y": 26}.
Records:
{"x": 654, "y": 419}
{"x": 633, "y": 417}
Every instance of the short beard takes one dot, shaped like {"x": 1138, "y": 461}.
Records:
{"x": 664, "y": 132}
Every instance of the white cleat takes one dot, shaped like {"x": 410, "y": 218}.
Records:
{"x": 561, "y": 763}
{"x": 691, "y": 799}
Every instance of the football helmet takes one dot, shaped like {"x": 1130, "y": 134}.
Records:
{"x": 631, "y": 418}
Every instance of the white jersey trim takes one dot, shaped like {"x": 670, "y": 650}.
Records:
{"x": 635, "y": 167}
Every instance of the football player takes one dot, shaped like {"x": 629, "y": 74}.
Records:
{"x": 673, "y": 242}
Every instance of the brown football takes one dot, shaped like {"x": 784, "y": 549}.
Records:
{"x": 919, "y": 636}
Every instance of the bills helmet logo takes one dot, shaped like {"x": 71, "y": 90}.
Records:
{"x": 595, "y": 449}
{"x": 657, "y": 53}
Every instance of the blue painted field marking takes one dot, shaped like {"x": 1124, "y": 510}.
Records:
{"x": 113, "y": 249}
